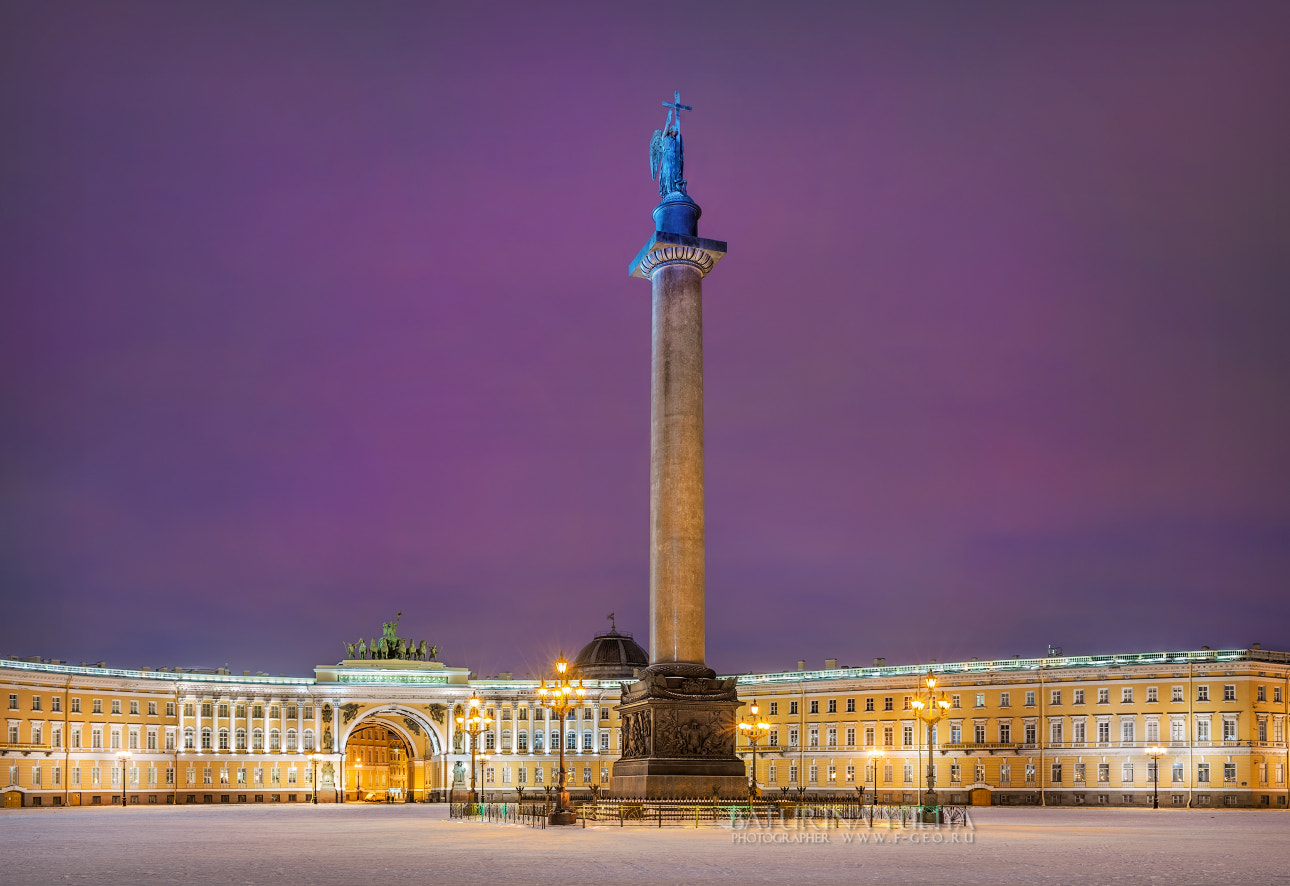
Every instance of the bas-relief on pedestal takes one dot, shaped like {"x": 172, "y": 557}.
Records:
{"x": 678, "y": 720}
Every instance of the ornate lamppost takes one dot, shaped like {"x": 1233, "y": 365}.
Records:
{"x": 358, "y": 781}
{"x": 314, "y": 758}
{"x": 930, "y": 707}
{"x": 755, "y": 730}
{"x": 475, "y": 722}
{"x": 874, "y": 756}
{"x": 560, "y": 696}
{"x": 1155, "y": 752}
{"x": 124, "y": 757}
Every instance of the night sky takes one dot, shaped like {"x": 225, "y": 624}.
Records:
{"x": 315, "y": 312}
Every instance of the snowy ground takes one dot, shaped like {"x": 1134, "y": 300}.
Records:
{"x": 416, "y": 844}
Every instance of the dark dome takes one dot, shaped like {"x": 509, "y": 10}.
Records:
{"x": 611, "y": 656}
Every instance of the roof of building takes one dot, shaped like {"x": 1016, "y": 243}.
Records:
{"x": 610, "y": 656}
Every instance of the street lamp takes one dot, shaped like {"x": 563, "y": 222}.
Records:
{"x": 1155, "y": 752}
{"x": 475, "y": 722}
{"x": 874, "y": 756}
{"x": 315, "y": 758}
{"x": 756, "y": 730}
{"x": 560, "y": 696}
{"x": 930, "y": 708}
{"x": 124, "y": 757}
{"x": 358, "y": 781}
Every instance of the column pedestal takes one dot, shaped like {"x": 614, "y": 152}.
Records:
{"x": 679, "y": 737}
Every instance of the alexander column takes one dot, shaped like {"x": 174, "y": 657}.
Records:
{"x": 678, "y": 721}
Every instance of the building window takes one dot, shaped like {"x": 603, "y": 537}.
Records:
{"x": 1126, "y": 732}
{"x": 1055, "y": 776}
{"x": 275, "y": 740}
{"x": 774, "y": 708}
{"x": 13, "y": 701}
{"x": 1229, "y": 692}
{"x": 1030, "y": 733}
{"x": 206, "y": 709}
{"x": 1030, "y": 773}
{"x": 1055, "y": 732}
{"x": 851, "y": 705}
{"x": 833, "y": 737}
{"x": 1103, "y": 731}
{"x": 980, "y": 700}
{"x": 1229, "y": 730}
{"x": 1104, "y": 696}
{"x": 1202, "y": 773}
{"x": 792, "y": 737}
{"x": 1126, "y": 695}
{"x": 887, "y": 703}
{"x": 909, "y": 706}
{"x": 1103, "y": 773}
{"x": 76, "y": 705}
{"x": 1202, "y": 693}
{"x": 792, "y": 707}
{"x": 206, "y": 739}
{"x": 1152, "y": 695}
{"x": 956, "y": 733}
{"x": 116, "y": 706}
{"x": 814, "y": 734}
{"x": 1030, "y": 699}
{"x": 1079, "y": 773}
{"x": 223, "y": 739}
{"x": 1178, "y": 773}
{"x": 868, "y": 705}
{"x": 888, "y": 736}
{"x": 815, "y": 706}
{"x": 1078, "y": 696}
{"x": 956, "y": 701}
{"x": 1077, "y": 731}
{"x": 851, "y": 736}
{"x": 96, "y": 706}
{"x": 792, "y": 773}
{"x": 868, "y": 736}
{"x": 1005, "y": 733}
{"x": 1276, "y": 694}
{"x": 978, "y": 732}
{"x": 907, "y": 736}
{"x": 909, "y": 773}
{"x": 1126, "y": 773}
{"x": 1202, "y": 730}
{"x": 1055, "y": 697}
{"x": 257, "y": 739}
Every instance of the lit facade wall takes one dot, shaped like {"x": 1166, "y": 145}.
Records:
{"x": 1059, "y": 731}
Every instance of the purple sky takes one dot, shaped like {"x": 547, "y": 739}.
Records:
{"x": 315, "y": 312}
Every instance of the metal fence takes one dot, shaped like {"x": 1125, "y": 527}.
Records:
{"x": 700, "y": 813}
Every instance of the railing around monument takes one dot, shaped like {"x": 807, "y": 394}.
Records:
{"x": 763, "y": 814}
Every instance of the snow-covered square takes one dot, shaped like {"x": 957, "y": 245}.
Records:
{"x": 381, "y": 844}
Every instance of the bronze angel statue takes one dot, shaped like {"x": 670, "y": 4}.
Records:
{"x": 667, "y": 152}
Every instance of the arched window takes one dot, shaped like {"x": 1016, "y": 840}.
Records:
{"x": 223, "y": 739}
{"x": 490, "y": 741}
{"x": 206, "y": 739}
{"x": 240, "y": 740}
{"x": 309, "y": 739}
{"x": 522, "y": 741}
{"x": 506, "y": 739}
{"x": 537, "y": 742}
{"x": 291, "y": 739}
{"x": 571, "y": 741}
{"x": 555, "y": 741}
{"x": 189, "y": 739}
{"x": 275, "y": 740}
{"x": 257, "y": 739}
{"x": 587, "y": 741}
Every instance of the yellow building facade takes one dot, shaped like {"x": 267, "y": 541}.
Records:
{"x": 1053, "y": 731}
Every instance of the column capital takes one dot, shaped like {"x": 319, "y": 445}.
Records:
{"x": 666, "y": 248}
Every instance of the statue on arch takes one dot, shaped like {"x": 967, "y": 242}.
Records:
{"x": 362, "y": 648}
{"x": 424, "y": 651}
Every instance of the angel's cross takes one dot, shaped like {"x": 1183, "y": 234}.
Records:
{"x": 675, "y": 104}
